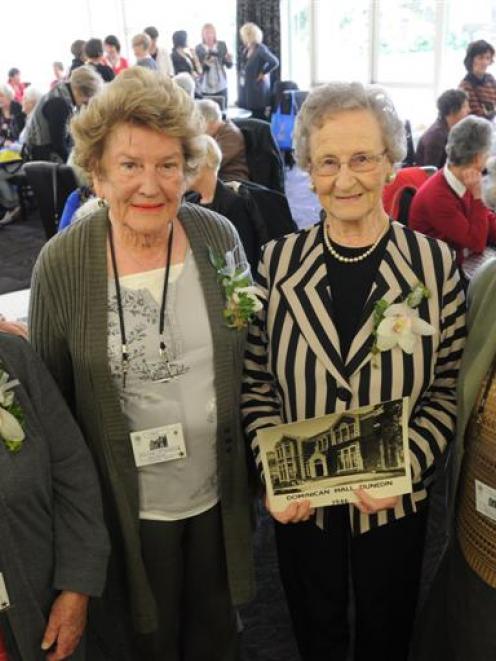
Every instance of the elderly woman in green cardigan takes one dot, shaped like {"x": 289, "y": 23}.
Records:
{"x": 458, "y": 620}
{"x": 140, "y": 311}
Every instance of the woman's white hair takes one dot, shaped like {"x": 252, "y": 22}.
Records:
{"x": 250, "y": 33}
{"x": 186, "y": 81}
{"x": 469, "y": 138}
{"x": 333, "y": 98}
{"x": 212, "y": 155}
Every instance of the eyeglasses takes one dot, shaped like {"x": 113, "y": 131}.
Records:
{"x": 330, "y": 166}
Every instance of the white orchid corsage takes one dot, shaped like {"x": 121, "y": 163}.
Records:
{"x": 241, "y": 296}
{"x": 400, "y": 323}
{"x": 11, "y": 414}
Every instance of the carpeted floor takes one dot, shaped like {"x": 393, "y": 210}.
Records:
{"x": 20, "y": 244}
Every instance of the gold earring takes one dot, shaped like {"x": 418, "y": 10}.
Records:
{"x": 102, "y": 203}
{"x": 390, "y": 177}
{"x": 311, "y": 186}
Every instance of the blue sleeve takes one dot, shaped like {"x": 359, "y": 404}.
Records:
{"x": 72, "y": 204}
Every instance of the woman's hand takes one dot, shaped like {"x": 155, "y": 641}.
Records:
{"x": 260, "y": 77}
{"x": 471, "y": 179}
{"x": 294, "y": 513}
{"x": 65, "y": 625}
{"x": 367, "y": 504}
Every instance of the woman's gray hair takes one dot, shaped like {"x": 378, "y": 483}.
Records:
{"x": 186, "y": 82}
{"x": 212, "y": 155}
{"x": 86, "y": 80}
{"x": 333, "y": 98}
{"x": 469, "y": 138}
{"x": 210, "y": 111}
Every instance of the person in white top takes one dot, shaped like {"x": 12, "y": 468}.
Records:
{"x": 160, "y": 55}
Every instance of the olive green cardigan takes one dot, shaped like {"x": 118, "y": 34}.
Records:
{"x": 68, "y": 328}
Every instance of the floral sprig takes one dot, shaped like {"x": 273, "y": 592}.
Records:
{"x": 241, "y": 296}
{"x": 399, "y": 323}
{"x": 11, "y": 414}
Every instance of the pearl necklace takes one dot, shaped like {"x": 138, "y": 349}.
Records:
{"x": 351, "y": 260}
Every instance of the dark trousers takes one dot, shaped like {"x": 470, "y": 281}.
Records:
{"x": 185, "y": 562}
{"x": 384, "y": 564}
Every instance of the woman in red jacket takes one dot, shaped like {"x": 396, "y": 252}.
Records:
{"x": 449, "y": 205}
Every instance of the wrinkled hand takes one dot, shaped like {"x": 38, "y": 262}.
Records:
{"x": 13, "y": 327}
{"x": 472, "y": 179}
{"x": 367, "y": 504}
{"x": 294, "y": 513}
{"x": 65, "y": 625}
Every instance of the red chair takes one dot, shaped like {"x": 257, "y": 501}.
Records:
{"x": 405, "y": 184}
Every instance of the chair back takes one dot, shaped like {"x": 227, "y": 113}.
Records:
{"x": 401, "y": 190}
{"x": 271, "y": 215}
{"x": 51, "y": 183}
{"x": 264, "y": 158}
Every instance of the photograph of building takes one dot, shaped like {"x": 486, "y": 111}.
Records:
{"x": 353, "y": 446}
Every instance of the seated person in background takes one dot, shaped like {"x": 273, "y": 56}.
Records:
{"x": 94, "y": 58}
{"x": 29, "y": 101}
{"x": 160, "y": 55}
{"x": 58, "y": 72}
{"x": 78, "y": 56}
{"x": 112, "y": 48}
{"x": 12, "y": 118}
{"x": 14, "y": 82}
{"x": 212, "y": 194}
{"x": 48, "y": 137}
{"x": 186, "y": 82}
{"x": 141, "y": 44}
{"x": 228, "y": 136}
{"x": 449, "y": 205}
{"x": 81, "y": 201}
{"x": 431, "y": 149}
{"x": 478, "y": 84}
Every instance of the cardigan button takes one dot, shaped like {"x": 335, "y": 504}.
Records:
{"x": 344, "y": 395}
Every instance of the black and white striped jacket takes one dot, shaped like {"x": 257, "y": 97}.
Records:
{"x": 293, "y": 365}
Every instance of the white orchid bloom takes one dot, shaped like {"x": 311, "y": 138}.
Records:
{"x": 6, "y": 396}
{"x": 252, "y": 293}
{"x": 401, "y": 326}
{"x": 10, "y": 429}
{"x": 230, "y": 268}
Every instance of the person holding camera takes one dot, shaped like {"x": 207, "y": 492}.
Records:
{"x": 214, "y": 58}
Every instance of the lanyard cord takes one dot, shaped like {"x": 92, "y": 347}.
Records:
{"x": 120, "y": 308}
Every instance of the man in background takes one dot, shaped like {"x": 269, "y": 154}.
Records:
{"x": 452, "y": 106}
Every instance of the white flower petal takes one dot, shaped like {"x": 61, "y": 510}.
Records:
{"x": 407, "y": 342}
{"x": 421, "y": 327}
{"x": 386, "y": 342}
{"x": 400, "y": 310}
{"x": 10, "y": 429}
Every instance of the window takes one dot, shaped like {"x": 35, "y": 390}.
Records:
{"x": 51, "y": 28}
{"x": 342, "y": 40}
{"x": 414, "y": 48}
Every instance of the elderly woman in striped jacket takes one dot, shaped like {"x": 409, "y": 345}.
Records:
{"x": 320, "y": 346}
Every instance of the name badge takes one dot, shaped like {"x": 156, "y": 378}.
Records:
{"x": 154, "y": 446}
{"x": 4, "y": 595}
{"x": 485, "y": 499}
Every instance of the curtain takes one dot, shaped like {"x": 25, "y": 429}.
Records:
{"x": 266, "y": 14}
